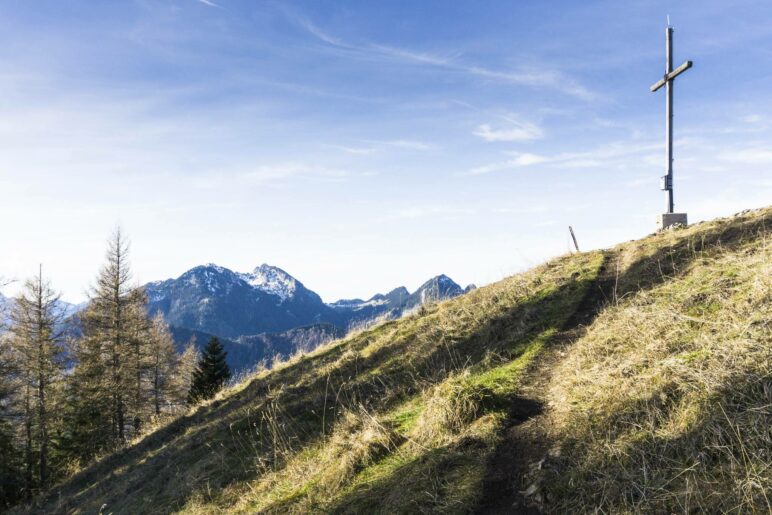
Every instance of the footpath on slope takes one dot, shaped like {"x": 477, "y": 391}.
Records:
{"x": 512, "y": 482}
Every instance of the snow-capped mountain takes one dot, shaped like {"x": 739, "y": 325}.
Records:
{"x": 435, "y": 289}
{"x": 272, "y": 280}
{"x": 398, "y": 301}
{"x": 217, "y": 300}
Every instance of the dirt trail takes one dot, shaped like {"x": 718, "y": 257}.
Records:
{"x": 512, "y": 482}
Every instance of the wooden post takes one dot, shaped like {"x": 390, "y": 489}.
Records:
{"x": 573, "y": 237}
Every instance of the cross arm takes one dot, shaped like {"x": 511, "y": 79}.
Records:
{"x": 670, "y": 76}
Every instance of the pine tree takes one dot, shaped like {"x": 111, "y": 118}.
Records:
{"x": 162, "y": 364}
{"x": 39, "y": 362}
{"x": 211, "y": 374}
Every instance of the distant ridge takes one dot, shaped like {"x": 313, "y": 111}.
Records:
{"x": 269, "y": 302}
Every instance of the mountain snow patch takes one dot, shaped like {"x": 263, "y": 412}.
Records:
{"x": 272, "y": 280}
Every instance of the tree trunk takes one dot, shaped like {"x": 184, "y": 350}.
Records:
{"x": 28, "y": 446}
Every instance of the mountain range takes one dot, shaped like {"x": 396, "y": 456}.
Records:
{"x": 216, "y": 300}
{"x": 266, "y": 312}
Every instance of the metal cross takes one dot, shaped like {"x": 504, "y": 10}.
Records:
{"x": 667, "y": 81}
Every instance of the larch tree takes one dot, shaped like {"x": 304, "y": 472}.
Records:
{"x": 162, "y": 364}
{"x": 11, "y": 460}
{"x": 39, "y": 362}
{"x": 114, "y": 340}
{"x": 139, "y": 360}
{"x": 186, "y": 366}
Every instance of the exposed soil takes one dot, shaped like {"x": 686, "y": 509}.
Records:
{"x": 512, "y": 484}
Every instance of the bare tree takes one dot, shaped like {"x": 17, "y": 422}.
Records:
{"x": 183, "y": 378}
{"x": 115, "y": 327}
{"x": 163, "y": 364}
{"x": 38, "y": 354}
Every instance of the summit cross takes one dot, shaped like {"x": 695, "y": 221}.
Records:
{"x": 669, "y": 217}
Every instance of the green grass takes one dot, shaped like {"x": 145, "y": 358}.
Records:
{"x": 405, "y": 416}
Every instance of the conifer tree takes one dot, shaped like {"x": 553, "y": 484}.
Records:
{"x": 211, "y": 374}
{"x": 162, "y": 364}
{"x": 111, "y": 354}
{"x": 183, "y": 377}
{"x": 39, "y": 363}
{"x": 140, "y": 359}
{"x": 11, "y": 462}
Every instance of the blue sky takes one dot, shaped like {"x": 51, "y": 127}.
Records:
{"x": 365, "y": 145}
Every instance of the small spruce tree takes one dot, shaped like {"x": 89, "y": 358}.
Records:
{"x": 211, "y": 373}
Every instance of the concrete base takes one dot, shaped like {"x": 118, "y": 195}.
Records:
{"x": 665, "y": 220}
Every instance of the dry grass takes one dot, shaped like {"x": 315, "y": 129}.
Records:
{"x": 666, "y": 404}
{"x": 664, "y": 401}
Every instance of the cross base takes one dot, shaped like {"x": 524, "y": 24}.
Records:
{"x": 666, "y": 220}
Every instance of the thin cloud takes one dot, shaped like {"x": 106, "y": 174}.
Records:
{"x": 319, "y": 33}
{"x": 520, "y": 132}
{"x": 209, "y": 3}
{"x": 518, "y": 161}
{"x": 752, "y": 156}
{"x": 283, "y": 171}
{"x": 409, "y": 55}
{"x": 604, "y": 156}
{"x": 415, "y": 212}
{"x": 544, "y": 77}
{"x": 752, "y": 118}
{"x": 403, "y": 143}
{"x": 355, "y": 150}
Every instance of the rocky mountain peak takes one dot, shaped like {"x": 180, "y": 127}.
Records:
{"x": 273, "y": 280}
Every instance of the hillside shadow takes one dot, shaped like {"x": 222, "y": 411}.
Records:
{"x": 223, "y": 440}
{"x": 235, "y": 439}
{"x": 509, "y": 464}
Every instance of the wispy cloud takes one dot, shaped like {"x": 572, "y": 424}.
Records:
{"x": 519, "y": 131}
{"x": 319, "y": 33}
{"x": 519, "y": 160}
{"x": 414, "y": 212}
{"x": 281, "y": 171}
{"x": 752, "y": 118}
{"x": 209, "y": 3}
{"x": 276, "y": 173}
{"x": 602, "y": 156}
{"x": 543, "y": 77}
{"x": 751, "y": 155}
{"x": 364, "y": 151}
{"x": 382, "y": 146}
{"x": 553, "y": 79}
{"x": 403, "y": 143}
{"x": 409, "y": 55}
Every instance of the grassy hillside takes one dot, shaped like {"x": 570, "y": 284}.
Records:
{"x": 633, "y": 379}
